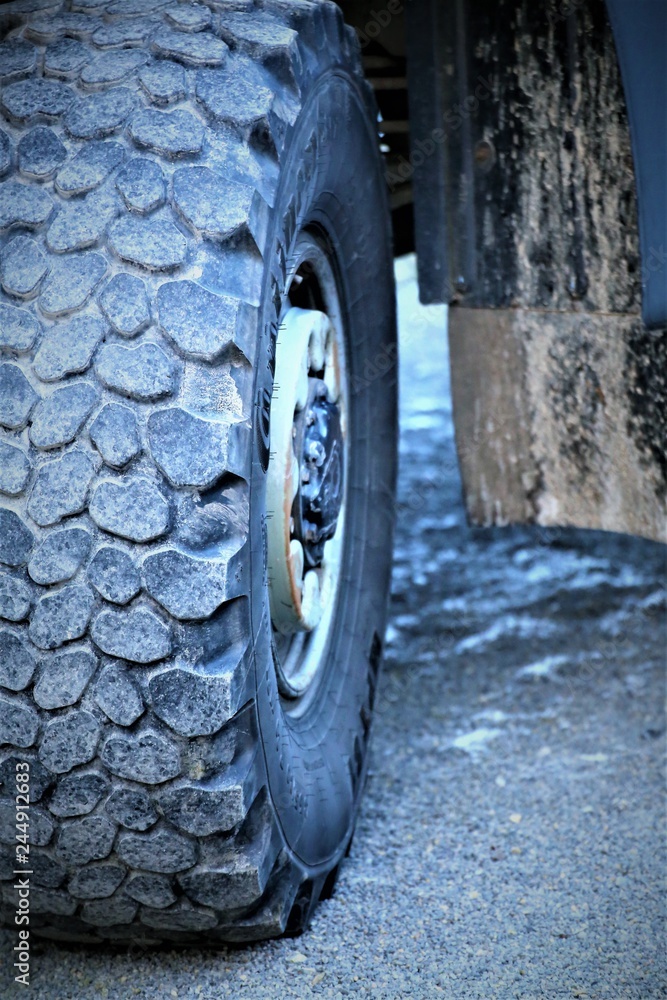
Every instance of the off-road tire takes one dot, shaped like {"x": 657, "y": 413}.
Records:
{"x": 159, "y": 161}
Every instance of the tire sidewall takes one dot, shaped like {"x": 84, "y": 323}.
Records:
{"x": 331, "y": 180}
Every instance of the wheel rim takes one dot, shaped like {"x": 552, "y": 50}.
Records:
{"x": 307, "y": 475}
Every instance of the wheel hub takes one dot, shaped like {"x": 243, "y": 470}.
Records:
{"x": 319, "y": 441}
{"x": 305, "y": 483}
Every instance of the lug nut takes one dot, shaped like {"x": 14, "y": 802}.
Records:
{"x": 316, "y": 452}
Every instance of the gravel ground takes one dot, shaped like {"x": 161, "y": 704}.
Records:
{"x": 512, "y": 838}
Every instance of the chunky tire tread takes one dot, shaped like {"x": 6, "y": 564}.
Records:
{"x": 122, "y": 120}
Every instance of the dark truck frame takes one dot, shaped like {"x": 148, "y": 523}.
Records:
{"x": 526, "y": 143}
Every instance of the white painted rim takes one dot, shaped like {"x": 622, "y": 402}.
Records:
{"x": 302, "y": 605}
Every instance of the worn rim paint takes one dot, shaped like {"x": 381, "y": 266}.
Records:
{"x": 310, "y": 359}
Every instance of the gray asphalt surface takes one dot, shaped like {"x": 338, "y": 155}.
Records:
{"x": 512, "y": 838}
